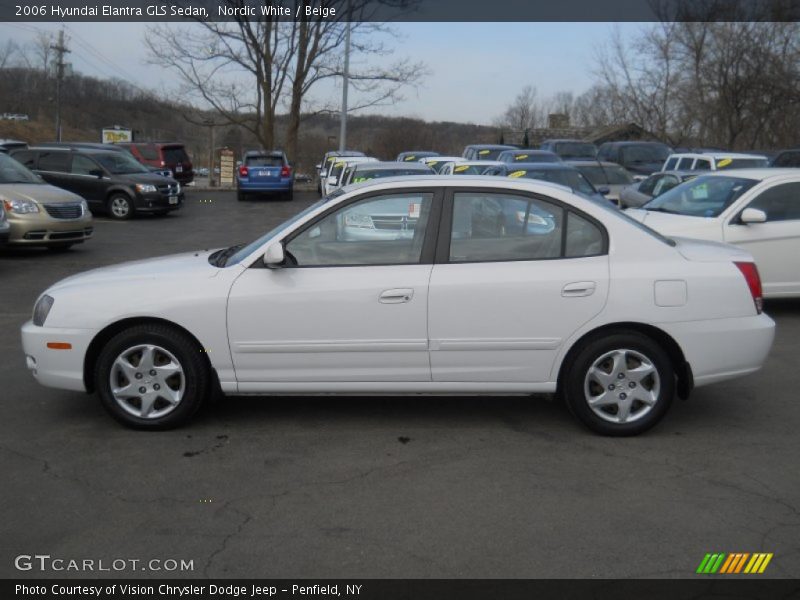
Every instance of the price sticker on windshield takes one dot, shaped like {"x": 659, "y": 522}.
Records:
{"x": 520, "y": 157}
{"x": 413, "y": 210}
{"x": 461, "y": 168}
{"x": 517, "y": 174}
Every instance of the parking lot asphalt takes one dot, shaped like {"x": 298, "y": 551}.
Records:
{"x": 383, "y": 487}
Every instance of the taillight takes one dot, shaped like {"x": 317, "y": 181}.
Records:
{"x": 286, "y": 171}
{"x": 751, "y": 276}
{"x": 242, "y": 171}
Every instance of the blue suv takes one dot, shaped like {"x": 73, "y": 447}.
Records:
{"x": 265, "y": 172}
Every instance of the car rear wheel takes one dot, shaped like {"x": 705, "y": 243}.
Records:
{"x": 120, "y": 206}
{"x": 152, "y": 377}
{"x": 619, "y": 384}
{"x": 239, "y": 196}
{"x": 289, "y": 196}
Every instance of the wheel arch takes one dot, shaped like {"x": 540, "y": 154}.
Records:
{"x": 119, "y": 189}
{"x": 108, "y": 332}
{"x": 683, "y": 369}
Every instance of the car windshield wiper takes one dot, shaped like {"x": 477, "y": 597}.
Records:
{"x": 220, "y": 257}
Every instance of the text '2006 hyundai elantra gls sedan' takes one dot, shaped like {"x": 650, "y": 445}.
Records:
{"x": 467, "y": 285}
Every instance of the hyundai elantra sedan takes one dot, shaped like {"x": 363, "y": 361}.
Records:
{"x": 594, "y": 306}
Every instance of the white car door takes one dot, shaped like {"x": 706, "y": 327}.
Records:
{"x": 774, "y": 244}
{"x": 513, "y": 280}
{"x": 349, "y": 306}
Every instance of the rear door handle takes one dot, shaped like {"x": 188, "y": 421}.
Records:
{"x": 396, "y": 296}
{"x": 577, "y": 289}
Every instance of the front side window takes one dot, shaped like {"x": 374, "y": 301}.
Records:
{"x": 380, "y": 230}
{"x": 57, "y": 162}
{"x": 781, "y": 203}
{"x": 671, "y": 162}
{"x": 649, "y": 184}
{"x": 491, "y": 226}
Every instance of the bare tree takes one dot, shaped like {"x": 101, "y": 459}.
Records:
{"x": 8, "y": 52}
{"x": 249, "y": 69}
{"x": 38, "y": 52}
{"x": 525, "y": 112}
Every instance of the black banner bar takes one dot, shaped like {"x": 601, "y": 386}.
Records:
{"x": 400, "y": 10}
{"x": 715, "y": 587}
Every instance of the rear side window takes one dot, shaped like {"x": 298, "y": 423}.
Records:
{"x": 264, "y": 161}
{"x": 702, "y": 165}
{"x": 584, "y": 238}
{"x": 54, "y": 161}
{"x": 175, "y": 154}
{"x": 148, "y": 151}
{"x": 671, "y": 162}
{"x": 685, "y": 163}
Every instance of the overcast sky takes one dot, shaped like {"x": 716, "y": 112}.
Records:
{"x": 475, "y": 68}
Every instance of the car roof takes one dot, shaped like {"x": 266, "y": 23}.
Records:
{"x": 573, "y": 140}
{"x": 714, "y": 154}
{"x": 531, "y": 151}
{"x": 592, "y": 163}
{"x": 540, "y": 166}
{"x": 460, "y": 181}
{"x": 762, "y": 173}
{"x": 77, "y": 149}
{"x": 492, "y": 147}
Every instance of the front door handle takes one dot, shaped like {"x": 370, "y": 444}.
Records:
{"x": 577, "y": 289}
{"x": 396, "y": 296}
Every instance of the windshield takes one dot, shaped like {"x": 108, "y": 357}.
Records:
{"x": 366, "y": 175}
{"x": 489, "y": 153}
{"x": 245, "y": 251}
{"x": 469, "y": 169}
{"x": 575, "y": 150}
{"x": 540, "y": 157}
{"x": 645, "y": 153}
{"x": 705, "y": 196}
{"x": 13, "y": 172}
{"x": 568, "y": 177}
{"x": 120, "y": 163}
{"x": 263, "y": 161}
{"x": 600, "y": 175}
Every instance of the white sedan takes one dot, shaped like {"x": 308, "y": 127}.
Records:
{"x": 489, "y": 286}
{"x": 755, "y": 209}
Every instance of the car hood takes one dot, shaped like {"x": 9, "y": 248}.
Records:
{"x": 189, "y": 265}
{"x": 644, "y": 168}
{"x": 37, "y": 192}
{"x": 670, "y": 224}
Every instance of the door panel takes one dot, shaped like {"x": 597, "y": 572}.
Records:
{"x": 330, "y": 324}
{"x": 506, "y": 321}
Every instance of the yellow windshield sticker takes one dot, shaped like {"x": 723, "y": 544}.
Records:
{"x": 516, "y": 174}
{"x": 433, "y": 162}
{"x": 339, "y": 164}
{"x": 412, "y": 157}
{"x": 482, "y": 152}
{"x": 724, "y": 162}
{"x": 460, "y": 168}
{"x": 520, "y": 157}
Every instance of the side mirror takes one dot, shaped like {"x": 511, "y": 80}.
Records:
{"x": 318, "y": 166}
{"x": 274, "y": 256}
{"x": 604, "y": 191}
{"x": 753, "y": 215}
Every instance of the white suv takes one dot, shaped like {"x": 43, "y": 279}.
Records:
{"x": 713, "y": 161}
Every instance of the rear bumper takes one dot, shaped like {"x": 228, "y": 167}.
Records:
{"x": 61, "y": 369}
{"x": 723, "y": 349}
{"x": 284, "y": 185}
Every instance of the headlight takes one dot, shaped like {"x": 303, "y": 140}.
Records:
{"x": 358, "y": 220}
{"x": 145, "y": 188}
{"x": 21, "y": 207}
{"x": 84, "y": 207}
{"x": 178, "y": 184}
{"x": 42, "y": 309}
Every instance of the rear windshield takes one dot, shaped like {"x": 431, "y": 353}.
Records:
{"x": 468, "y": 169}
{"x": 489, "y": 153}
{"x": 175, "y": 154}
{"x": 534, "y": 157}
{"x": 263, "y": 161}
{"x": 575, "y": 150}
{"x": 741, "y": 163}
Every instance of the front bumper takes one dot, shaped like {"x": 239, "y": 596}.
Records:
{"x": 61, "y": 369}
{"x": 156, "y": 202}
{"x": 721, "y": 349}
{"x": 40, "y": 229}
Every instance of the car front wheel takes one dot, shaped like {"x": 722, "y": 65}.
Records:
{"x": 152, "y": 377}
{"x": 120, "y": 206}
{"x": 619, "y": 384}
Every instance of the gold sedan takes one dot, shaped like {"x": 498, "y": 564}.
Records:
{"x": 40, "y": 214}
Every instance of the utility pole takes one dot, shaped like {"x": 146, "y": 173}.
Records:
{"x": 61, "y": 50}
{"x": 345, "y": 85}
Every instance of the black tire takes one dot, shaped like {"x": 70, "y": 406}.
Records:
{"x": 239, "y": 195}
{"x": 60, "y": 247}
{"x": 115, "y": 206}
{"x": 578, "y": 385}
{"x": 195, "y": 369}
{"x": 289, "y": 196}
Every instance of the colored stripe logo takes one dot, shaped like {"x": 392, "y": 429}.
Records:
{"x": 734, "y": 563}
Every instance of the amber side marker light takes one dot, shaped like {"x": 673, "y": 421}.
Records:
{"x": 59, "y": 346}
